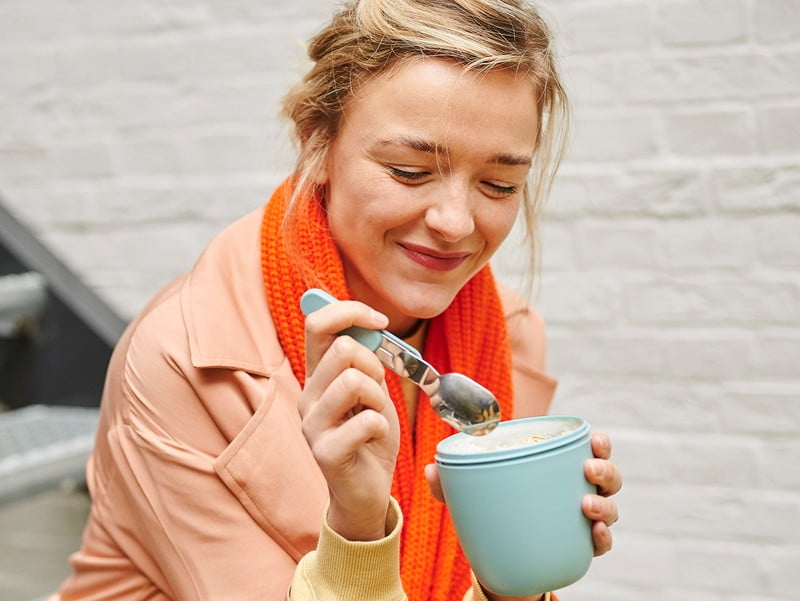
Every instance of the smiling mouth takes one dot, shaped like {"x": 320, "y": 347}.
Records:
{"x": 433, "y": 259}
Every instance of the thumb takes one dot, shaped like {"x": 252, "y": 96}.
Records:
{"x": 432, "y": 476}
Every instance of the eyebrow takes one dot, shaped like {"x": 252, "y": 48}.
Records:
{"x": 422, "y": 145}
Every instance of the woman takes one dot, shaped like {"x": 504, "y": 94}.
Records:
{"x": 245, "y": 452}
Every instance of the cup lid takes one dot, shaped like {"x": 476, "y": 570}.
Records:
{"x": 511, "y": 439}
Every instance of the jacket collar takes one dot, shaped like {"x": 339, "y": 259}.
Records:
{"x": 225, "y": 307}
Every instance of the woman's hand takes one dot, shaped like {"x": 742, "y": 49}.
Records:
{"x": 349, "y": 419}
{"x": 599, "y": 508}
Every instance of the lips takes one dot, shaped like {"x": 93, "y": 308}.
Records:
{"x": 433, "y": 259}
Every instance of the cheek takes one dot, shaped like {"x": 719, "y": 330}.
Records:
{"x": 498, "y": 221}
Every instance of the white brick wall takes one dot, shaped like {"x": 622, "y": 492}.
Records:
{"x": 131, "y": 132}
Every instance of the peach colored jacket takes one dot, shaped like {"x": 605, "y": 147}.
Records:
{"x": 202, "y": 484}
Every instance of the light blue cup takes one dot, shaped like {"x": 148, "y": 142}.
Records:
{"x": 517, "y": 509}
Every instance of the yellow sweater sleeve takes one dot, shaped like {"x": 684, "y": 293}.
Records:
{"x": 476, "y": 593}
{"x": 343, "y": 570}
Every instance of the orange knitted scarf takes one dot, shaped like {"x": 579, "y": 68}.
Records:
{"x": 470, "y": 337}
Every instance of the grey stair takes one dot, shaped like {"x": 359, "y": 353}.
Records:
{"x": 42, "y": 446}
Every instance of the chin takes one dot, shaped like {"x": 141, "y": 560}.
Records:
{"x": 426, "y": 303}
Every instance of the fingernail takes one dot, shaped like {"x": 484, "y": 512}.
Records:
{"x": 379, "y": 317}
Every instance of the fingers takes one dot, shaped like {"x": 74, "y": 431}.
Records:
{"x": 604, "y": 475}
{"x": 348, "y": 414}
{"x": 323, "y": 326}
{"x": 599, "y": 509}
{"x": 432, "y": 476}
{"x": 601, "y": 535}
{"x": 342, "y": 354}
{"x": 601, "y": 445}
{"x": 599, "y": 471}
{"x": 607, "y": 478}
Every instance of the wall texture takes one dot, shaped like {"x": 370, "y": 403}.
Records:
{"x": 131, "y": 132}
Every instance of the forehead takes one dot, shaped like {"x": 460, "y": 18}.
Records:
{"x": 438, "y": 100}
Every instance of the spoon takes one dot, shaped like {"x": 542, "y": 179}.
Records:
{"x": 458, "y": 400}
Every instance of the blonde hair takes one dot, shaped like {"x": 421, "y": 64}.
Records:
{"x": 367, "y": 37}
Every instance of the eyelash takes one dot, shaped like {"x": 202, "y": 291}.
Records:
{"x": 502, "y": 190}
{"x": 408, "y": 175}
{"x": 414, "y": 176}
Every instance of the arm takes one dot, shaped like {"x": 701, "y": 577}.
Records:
{"x": 191, "y": 498}
{"x": 352, "y": 429}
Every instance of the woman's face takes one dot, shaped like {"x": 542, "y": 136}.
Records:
{"x": 424, "y": 181}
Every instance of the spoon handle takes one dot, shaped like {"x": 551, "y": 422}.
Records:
{"x": 381, "y": 342}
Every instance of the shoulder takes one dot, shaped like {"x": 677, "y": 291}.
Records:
{"x": 533, "y": 387}
{"x": 204, "y": 347}
{"x": 526, "y": 328}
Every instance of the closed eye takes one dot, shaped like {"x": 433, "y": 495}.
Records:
{"x": 408, "y": 176}
{"x": 500, "y": 191}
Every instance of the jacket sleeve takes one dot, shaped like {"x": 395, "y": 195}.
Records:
{"x": 164, "y": 523}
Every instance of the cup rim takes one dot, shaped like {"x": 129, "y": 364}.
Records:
{"x": 447, "y": 450}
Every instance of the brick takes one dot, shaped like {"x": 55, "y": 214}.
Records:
{"x": 558, "y": 246}
{"x": 746, "y": 75}
{"x": 133, "y": 107}
{"x": 222, "y": 152}
{"x": 720, "y": 132}
{"x": 676, "y": 451}
{"x": 618, "y": 246}
{"x": 577, "y": 299}
{"x": 709, "y": 243}
{"x": 756, "y": 189}
{"x": 607, "y": 27}
{"x": 775, "y": 21}
{"x": 768, "y": 410}
{"x": 156, "y": 156}
{"x": 779, "y": 129}
{"x": 632, "y": 357}
{"x": 84, "y": 159}
{"x": 24, "y": 161}
{"x": 719, "y": 302}
{"x": 143, "y": 17}
{"x": 661, "y": 192}
{"x": 577, "y": 193}
{"x": 701, "y": 22}
{"x": 92, "y": 64}
{"x": 705, "y": 358}
{"x": 777, "y": 241}
{"x": 308, "y": 15}
{"x": 728, "y": 406}
{"x": 590, "y": 85}
{"x": 779, "y": 567}
{"x": 776, "y": 356}
{"x": 24, "y": 22}
{"x": 708, "y": 356}
{"x": 604, "y": 137}
{"x": 717, "y": 514}
{"x": 164, "y": 249}
{"x": 615, "y": 402}
{"x": 777, "y": 462}
{"x": 25, "y": 71}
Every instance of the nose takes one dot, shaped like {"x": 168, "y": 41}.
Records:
{"x": 450, "y": 215}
